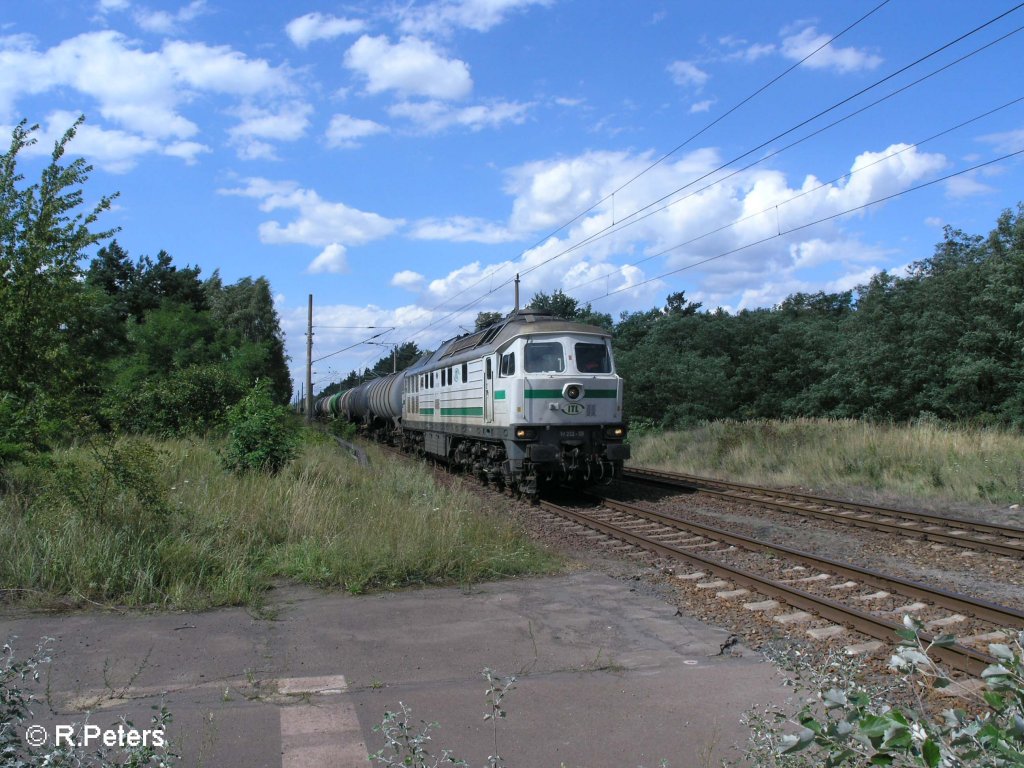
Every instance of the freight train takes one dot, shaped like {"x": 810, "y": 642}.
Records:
{"x": 529, "y": 401}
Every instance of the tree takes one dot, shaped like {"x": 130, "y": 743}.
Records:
{"x": 247, "y": 320}
{"x": 42, "y": 239}
{"x": 558, "y": 304}
{"x": 676, "y": 304}
{"x": 485, "y": 319}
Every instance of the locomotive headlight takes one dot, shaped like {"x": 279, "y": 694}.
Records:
{"x": 572, "y": 391}
{"x": 522, "y": 433}
{"x": 615, "y": 432}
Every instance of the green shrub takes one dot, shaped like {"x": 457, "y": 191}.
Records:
{"x": 843, "y": 721}
{"x": 187, "y": 401}
{"x": 342, "y": 428}
{"x": 263, "y": 436}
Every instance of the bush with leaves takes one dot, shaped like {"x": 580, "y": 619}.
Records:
{"x": 263, "y": 436}
{"x": 847, "y": 722}
{"x": 190, "y": 400}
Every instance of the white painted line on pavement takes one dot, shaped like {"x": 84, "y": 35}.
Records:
{"x": 322, "y": 735}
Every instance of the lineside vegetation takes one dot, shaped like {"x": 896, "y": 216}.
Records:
{"x": 160, "y": 523}
{"x": 928, "y": 459}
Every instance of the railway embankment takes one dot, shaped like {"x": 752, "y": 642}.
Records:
{"x": 145, "y": 523}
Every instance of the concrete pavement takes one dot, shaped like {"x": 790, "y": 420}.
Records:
{"x": 607, "y": 676}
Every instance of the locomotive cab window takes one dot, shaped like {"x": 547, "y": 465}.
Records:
{"x": 508, "y": 364}
{"x": 544, "y": 357}
{"x": 592, "y": 358}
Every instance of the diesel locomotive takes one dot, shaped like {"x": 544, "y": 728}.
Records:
{"x": 529, "y": 401}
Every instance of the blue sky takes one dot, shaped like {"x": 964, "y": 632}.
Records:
{"x": 402, "y": 161}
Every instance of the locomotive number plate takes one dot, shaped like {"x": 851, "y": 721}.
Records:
{"x": 572, "y": 434}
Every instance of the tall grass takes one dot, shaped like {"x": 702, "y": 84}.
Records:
{"x": 923, "y": 461}
{"x": 189, "y": 534}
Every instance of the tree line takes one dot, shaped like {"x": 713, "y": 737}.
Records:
{"x": 945, "y": 341}
{"x": 123, "y": 345}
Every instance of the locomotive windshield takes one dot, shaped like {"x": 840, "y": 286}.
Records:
{"x": 592, "y": 358}
{"x": 544, "y": 357}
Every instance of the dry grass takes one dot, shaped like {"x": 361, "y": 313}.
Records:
{"x": 922, "y": 461}
{"x": 196, "y": 535}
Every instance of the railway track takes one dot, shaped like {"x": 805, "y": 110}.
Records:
{"x": 836, "y": 592}
{"x": 1007, "y": 541}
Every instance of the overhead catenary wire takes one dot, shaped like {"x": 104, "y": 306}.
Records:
{"x": 353, "y": 346}
{"x": 622, "y": 222}
{"x": 491, "y": 273}
{"x": 775, "y": 206}
{"x": 807, "y": 225}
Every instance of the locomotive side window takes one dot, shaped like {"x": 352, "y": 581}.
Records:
{"x": 487, "y": 365}
{"x": 465, "y": 372}
{"x": 544, "y": 357}
{"x": 508, "y": 364}
{"x": 592, "y": 358}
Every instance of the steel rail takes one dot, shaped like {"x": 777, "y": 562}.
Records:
{"x": 956, "y": 656}
{"x": 738, "y": 491}
{"x": 954, "y": 601}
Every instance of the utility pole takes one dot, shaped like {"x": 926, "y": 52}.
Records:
{"x": 517, "y": 291}
{"x": 309, "y": 362}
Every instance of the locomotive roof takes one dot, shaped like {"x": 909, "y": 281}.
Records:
{"x": 485, "y": 341}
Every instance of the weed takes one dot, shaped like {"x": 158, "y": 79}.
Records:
{"x": 19, "y": 748}
{"x": 842, "y": 721}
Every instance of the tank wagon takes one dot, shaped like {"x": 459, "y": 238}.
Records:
{"x": 528, "y": 401}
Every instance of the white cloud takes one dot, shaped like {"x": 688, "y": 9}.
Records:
{"x": 701, "y": 106}
{"x": 1006, "y": 142}
{"x": 743, "y": 50}
{"x": 758, "y": 204}
{"x": 164, "y": 23}
{"x": 144, "y": 92}
{"x": 461, "y": 229}
{"x": 114, "y": 151}
{"x": 410, "y": 66}
{"x": 331, "y": 259}
{"x": 186, "y": 150}
{"x": 688, "y": 74}
{"x": 435, "y": 116}
{"x": 345, "y": 130}
{"x": 318, "y": 26}
{"x": 407, "y": 279}
{"x": 818, "y": 251}
{"x": 334, "y": 227}
{"x": 105, "y": 6}
{"x": 443, "y": 16}
{"x": 967, "y": 186}
{"x": 286, "y": 123}
{"x": 798, "y": 45}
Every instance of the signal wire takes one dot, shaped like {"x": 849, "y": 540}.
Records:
{"x": 742, "y": 102}
{"x": 714, "y": 122}
{"x": 804, "y": 226}
{"x": 806, "y": 122}
{"x": 846, "y": 100}
{"x": 775, "y": 206}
